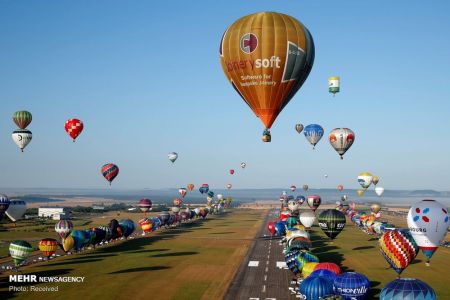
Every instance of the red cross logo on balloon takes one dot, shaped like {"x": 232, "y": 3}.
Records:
{"x": 249, "y": 43}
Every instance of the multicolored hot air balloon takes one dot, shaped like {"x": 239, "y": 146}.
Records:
{"x": 398, "y": 248}
{"x": 341, "y": 139}
{"x": 314, "y": 202}
{"x": 110, "y": 171}
{"x": 352, "y": 285}
{"x": 177, "y": 201}
{"x": 4, "y": 204}
{"x": 331, "y": 222}
{"x": 73, "y": 127}
{"x": 328, "y": 266}
{"x": 316, "y": 287}
{"x": 299, "y": 128}
{"x": 267, "y": 57}
{"x": 182, "y": 192}
{"x": 22, "y": 137}
{"x": 375, "y": 180}
{"x": 204, "y": 188}
{"x": 145, "y": 205}
{"x": 63, "y": 228}
{"x": 190, "y": 187}
{"x": 365, "y": 179}
{"x": 313, "y": 134}
{"x": 19, "y": 251}
{"x": 22, "y": 118}
{"x": 172, "y": 156}
{"x": 407, "y": 289}
{"x": 334, "y": 84}
{"x": 16, "y": 210}
{"x": 48, "y": 247}
{"x": 428, "y": 222}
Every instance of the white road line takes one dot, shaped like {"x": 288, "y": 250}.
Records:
{"x": 267, "y": 268}
{"x": 265, "y": 277}
{"x": 264, "y": 289}
{"x": 268, "y": 256}
{"x": 267, "y": 262}
{"x": 253, "y": 263}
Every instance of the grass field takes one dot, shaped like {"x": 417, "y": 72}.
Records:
{"x": 196, "y": 261}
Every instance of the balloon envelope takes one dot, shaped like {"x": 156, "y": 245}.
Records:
{"x": 407, "y": 289}
{"x": 398, "y": 248}
{"x": 4, "y": 204}
{"x": 299, "y": 128}
{"x": 16, "y": 210}
{"x": 145, "y": 204}
{"x": 22, "y": 137}
{"x": 73, "y": 127}
{"x": 110, "y": 171}
{"x": 63, "y": 228}
{"x": 313, "y": 133}
{"x": 19, "y": 251}
{"x": 48, "y": 246}
{"x": 172, "y": 156}
{"x": 316, "y": 287}
{"x": 341, "y": 139}
{"x": 314, "y": 201}
{"x": 22, "y": 118}
{"x": 307, "y": 218}
{"x": 365, "y": 179}
{"x": 332, "y": 222}
{"x": 352, "y": 285}
{"x": 379, "y": 191}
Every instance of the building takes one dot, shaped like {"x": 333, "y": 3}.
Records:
{"x": 56, "y": 213}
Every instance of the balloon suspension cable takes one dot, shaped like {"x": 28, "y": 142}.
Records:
{"x": 21, "y": 150}
{"x": 342, "y": 157}
{"x": 427, "y": 263}
{"x": 73, "y": 140}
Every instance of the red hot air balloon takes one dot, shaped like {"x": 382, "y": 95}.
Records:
{"x": 340, "y": 187}
{"x": 145, "y": 204}
{"x": 231, "y": 171}
{"x": 190, "y": 187}
{"x": 110, "y": 171}
{"x": 271, "y": 227}
{"x": 73, "y": 127}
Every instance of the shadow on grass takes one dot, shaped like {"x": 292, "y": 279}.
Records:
{"x": 374, "y": 290}
{"x": 143, "y": 269}
{"x": 416, "y": 261}
{"x": 363, "y": 248}
{"x": 225, "y": 232}
{"x": 147, "y": 251}
{"x": 373, "y": 239}
{"x": 181, "y": 253}
{"x": 72, "y": 262}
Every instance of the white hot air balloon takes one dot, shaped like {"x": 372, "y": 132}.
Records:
{"x": 219, "y": 196}
{"x": 243, "y": 165}
{"x": 172, "y": 156}
{"x": 379, "y": 191}
{"x": 229, "y": 186}
{"x": 307, "y": 218}
{"x": 175, "y": 209}
{"x": 22, "y": 137}
{"x": 341, "y": 139}
{"x": 16, "y": 210}
{"x": 284, "y": 193}
{"x": 428, "y": 222}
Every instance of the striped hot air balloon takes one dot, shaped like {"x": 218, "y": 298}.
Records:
{"x": 145, "y": 204}
{"x": 19, "y": 251}
{"x": 331, "y": 221}
{"x": 110, "y": 171}
{"x": 48, "y": 246}
{"x": 63, "y": 228}
{"x": 22, "y": 118}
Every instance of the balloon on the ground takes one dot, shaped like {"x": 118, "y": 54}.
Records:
{"x": 341, "y": 139}
{"x": 145, "y": 205}
{"x": 22, "y": 118}
{"x": 379, "y": 191}
{"x": 308, "y": 268}
{"x": 307, "y": 218}
{"x": 365, "y": 179}
{"x": 407, "y": 289}
{"x": 4, "y": 204}
{"x": 267, "y": 57}
{"x": 128, "y": 227}
{"x": 63, "y": 228}
{"x": 164, "y": 217}
{"x": 428, "y": 222}
{"x": 314, "y": 202}
{"x": 48, "y": 246}
{"x": 316, "y": 287}
{"x": 332, "y": 222}
{"x": 68, "y": 243}
{"x": 16, "y": 210}
{"x": 398, "y": 248}
{"x": 299, "y": 128}
{"x": 172, "y": 156}
{"x": 328, "y": 266}
{"x": 22, "y": 137}
{"x": 324, "y": 273}
{"x": 271, "y": 227}
{"x": 73, "y": 127}
{"x": 313, "y": 133}
{"x": 334, "y": 84}
{"x": 110, "y": 171}
{"x": 352, "y": 286}
{"x": 19, "y": 251}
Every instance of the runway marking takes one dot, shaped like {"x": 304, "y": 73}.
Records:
{"x": 267, "y": 262}
{"x": 253, "y": 298}
{"x": 264, "y": 289}
{"x": 281, "y": 265}
{"x": 253, "y": 263}
{"x": 267, "y": 269}
{"x": 268, "y": 256}
{"x": 265, "y": 277}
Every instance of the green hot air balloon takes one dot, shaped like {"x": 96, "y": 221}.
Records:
{"x": 19, "y": 251}
{"x": 331, "y": 222}
{"x": 22, "y": 118}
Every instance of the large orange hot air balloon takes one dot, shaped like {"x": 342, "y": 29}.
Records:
{"x": 267, "y": 56}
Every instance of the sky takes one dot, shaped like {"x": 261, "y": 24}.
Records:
{"x": 145, "y": 78}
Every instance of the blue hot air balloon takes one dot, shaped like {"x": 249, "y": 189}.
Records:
{"x": 316, "y": 287}
{"x": 78, "y": 238}
{"x": 351, "y": 285}
{"x": 291, "y": 261}
{"x": 407, "y": 289}
{"x": 280, "y": 228}
{"x": 210, "y": 194}
{"x": 128, "y": 227}
{"x": 330, "y": 275}
{"x": 313, "y": 133}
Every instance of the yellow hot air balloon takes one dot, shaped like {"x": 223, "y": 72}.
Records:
{"x": 68, "y": 243}
{"x": 308, "y": 268}
{"x": 375, "y": 208}
{"x": 267, "y": 56}
{"x": 360, "y": 192}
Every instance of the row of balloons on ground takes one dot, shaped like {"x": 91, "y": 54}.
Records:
{"x": 78, "y": 239}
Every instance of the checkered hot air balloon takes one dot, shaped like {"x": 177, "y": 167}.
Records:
{"x": 110, "y": 171}
{"x": 398, "y": 248}
{"x": 73, "y": 127}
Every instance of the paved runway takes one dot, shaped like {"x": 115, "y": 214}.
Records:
{"x": 259, "y": 277}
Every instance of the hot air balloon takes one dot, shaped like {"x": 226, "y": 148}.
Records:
{"x": 243, "y": 165}
{"x": 341, "y": 139}
{"x": 331, "y": 222}
{"x": 229, "y": 186}
{"x": 231, "y": 171}
{"x": 365, "y": 179}
{"x": 164, "y": 217}
{"x": 428, "y": 222}
{"x": 68, "y": 243}
{"x": 305, "y": 187}
{"x": 128, "y": 227}
{"x": 145, "y": 204}
{"x": 379, "y": 191}
{"x": 19, "y": 251}
{"x": 308, "y": 268}
{"x": 375, "y": 208}
{"x": 22, "y": 137}
{"x": 352, "y": 285}
{"x": 267, "y": 57}
{"x": 16, "y": 210}
{"x": 190, "y": 187}
{"x": 316, "y": 287}
{"x": 204, "y": 188}
{"x": 334, "y": 84}
{"x": 407, "y": 289}
{"x": 360, "y": 193}
{"x": 340, "y": 188}
{"x": 22, "y": 118}
{"x": 110, "y": 171}
{"x": 328, "y": 266}
{"x": 398, "y": 248}
{"x": 271, "y": 227}
{"x": 78, "y": 238}
{"x": 48, "y": 247}
{"x": 307, "y": 218}
{"x": 293, "y": 188}
{"x": 172, "y": 156}
{"x": 177, "y": 201}
{"x": 74, "y": 127}
{"x": 314, "y": 201}
{"x": 313, "y": 133}
{"x": 4, "y": 204}
{"x": 300, "y": 199}
{"x": 63, "y": 228}
{"x": 324, "y": 273}
{"x": 299, "y": 128}
{"x": 375, "y": 180}
{"x": 182, "y": 192}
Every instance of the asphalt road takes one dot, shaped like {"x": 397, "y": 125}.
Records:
{"x": 259, "y": 277}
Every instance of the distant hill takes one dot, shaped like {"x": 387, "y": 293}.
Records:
{"x": 425, "y": 193}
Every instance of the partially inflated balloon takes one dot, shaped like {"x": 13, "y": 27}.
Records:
{"x": 19, "y": 251}
{"x": 407, "y": 289}
{"x": 68, "y": 243}
{"x": 379, "y": 191}
{"x": 313, "y": 133}
{"x": 16, "y": 210}
{"x": 267, "y": 56}
{"x": 110, "y": 171}
{"x": 328, "y": 266}
{"x": 48, "y": 246}
{"x": 299, "y": 128}
{"x": 74, "y": 127}
{"x": 428, "y": 222}
{"x": 22, "y": 137}
{"x": 172, "y": 156}
{"x": 398, "y": 248}
{"x": 365, "y": 179}
{"x": 314, "y": 201}
{"x": 308, "y": 268}
{"x": 271, "y": 227}
{"x": 331, "y": 222}
{"x": 22, "y": 118}
{"x": 341, "y": 139}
